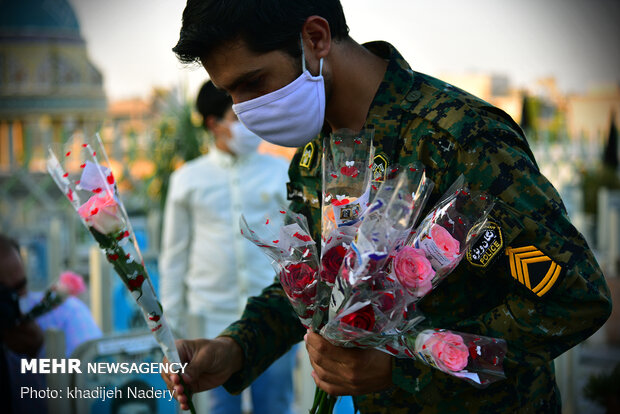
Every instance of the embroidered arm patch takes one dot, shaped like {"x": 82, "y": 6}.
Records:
{"x": 488, "y": 245}
{"x": 533, "y": 269}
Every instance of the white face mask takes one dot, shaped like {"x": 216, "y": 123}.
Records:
{"x": 291, "y": 116}
{"x": 242, "y": 140}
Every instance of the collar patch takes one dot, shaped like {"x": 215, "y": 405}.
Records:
{"x": 306, "y": 156}
{"x": 379, "y": 167}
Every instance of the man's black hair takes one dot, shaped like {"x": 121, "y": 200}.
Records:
{"x": 212, "y": 101}
{"x": 264, "y": 25}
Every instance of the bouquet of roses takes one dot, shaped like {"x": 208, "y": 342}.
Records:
{"x": 380, "y": 263}
{"x": 375, "y": 265}
{"x": 363, "y": 285}
{"x": 68, "y": 284}
{"x": 81, "y": 170}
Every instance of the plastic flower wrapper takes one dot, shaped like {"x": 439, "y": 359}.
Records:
{"x": 474, "y": 358}
{"x": 68, "y": 284}
{"x": 383, "y": 230}
{"x": 388, "y": 221}
{"x": 371, "y": 313}
{"x": 346, "y": 167}
{"x": 81, "y": 170}
{"x": 442, "y": 239}
{"x": 295, "y": 260}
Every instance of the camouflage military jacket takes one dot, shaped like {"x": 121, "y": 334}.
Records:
{"x": 532, "y": 280}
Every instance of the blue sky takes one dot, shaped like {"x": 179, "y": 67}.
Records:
{"x": 573, "y": 40}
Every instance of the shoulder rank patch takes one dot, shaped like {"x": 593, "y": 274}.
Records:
{"x": 488, "y": 245}
{"x": 306, "y": 156}
{"x": 533, "y": 269}
{"x": 379, "y": 167}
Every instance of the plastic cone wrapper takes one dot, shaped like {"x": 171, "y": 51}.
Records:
{"x": 295, "y": 259}
{"x": 82, "y": 171}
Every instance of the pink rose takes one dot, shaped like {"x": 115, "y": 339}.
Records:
{"x": 101, "y": 211}
{"x": 448, "y": 350}
{"x": 445, "y": 242}
{"x": 414, "y": 271}
{"x": 70, "y": 283}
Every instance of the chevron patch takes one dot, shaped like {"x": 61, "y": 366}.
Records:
{"x": 533, "y": 269}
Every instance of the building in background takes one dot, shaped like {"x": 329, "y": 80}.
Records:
{"x": 49, "y": 89}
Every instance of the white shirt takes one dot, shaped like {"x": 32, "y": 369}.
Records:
{"x": 206, "y": 266}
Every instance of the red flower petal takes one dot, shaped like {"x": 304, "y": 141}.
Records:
{"x": 303, "y": 237}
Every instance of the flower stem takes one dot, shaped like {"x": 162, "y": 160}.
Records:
{"x": 188, "y": 392}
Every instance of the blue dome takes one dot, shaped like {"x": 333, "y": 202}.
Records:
{"x": 38, "y": 18}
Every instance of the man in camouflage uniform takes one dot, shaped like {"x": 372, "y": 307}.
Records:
{"x": 532, "y": 279}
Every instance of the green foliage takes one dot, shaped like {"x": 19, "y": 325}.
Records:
{"x": 601, "y": 388}
{"x": 177, "y": 139}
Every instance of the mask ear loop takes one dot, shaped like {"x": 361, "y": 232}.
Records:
{"x": 303, "y": 54}
{"x": 303, "y": 58}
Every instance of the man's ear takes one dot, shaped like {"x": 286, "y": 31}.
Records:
{"x": 210, "y": 122}
{"x": 316, "y": 36}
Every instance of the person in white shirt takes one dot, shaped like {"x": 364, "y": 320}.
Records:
{"x": 206, "y": 266}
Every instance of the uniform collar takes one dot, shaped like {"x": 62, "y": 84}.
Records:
{"x": 394, "y": 92}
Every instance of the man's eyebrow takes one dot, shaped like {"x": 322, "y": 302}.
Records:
{"x": 239, "y": 80}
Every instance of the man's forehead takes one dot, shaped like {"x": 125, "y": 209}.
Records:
{"x": 229, "y": 60}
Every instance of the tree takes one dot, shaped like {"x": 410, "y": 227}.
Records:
{"x": 610, "y": 154}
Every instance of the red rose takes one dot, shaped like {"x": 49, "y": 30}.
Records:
{"x": 330, "y": 263}
{"x": 363, "y": 318}
{"x": 296, "y": 278}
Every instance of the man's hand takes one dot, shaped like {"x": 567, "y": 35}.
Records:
{"x": 347, "y": 371}
{"x": 211, "y": 363}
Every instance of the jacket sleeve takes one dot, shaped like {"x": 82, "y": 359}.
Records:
{"x": 267, "y": 329}
{"x": 554, "y": 293}
{"x": 175, "y": 250}
{"x": 560, "y": 297}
